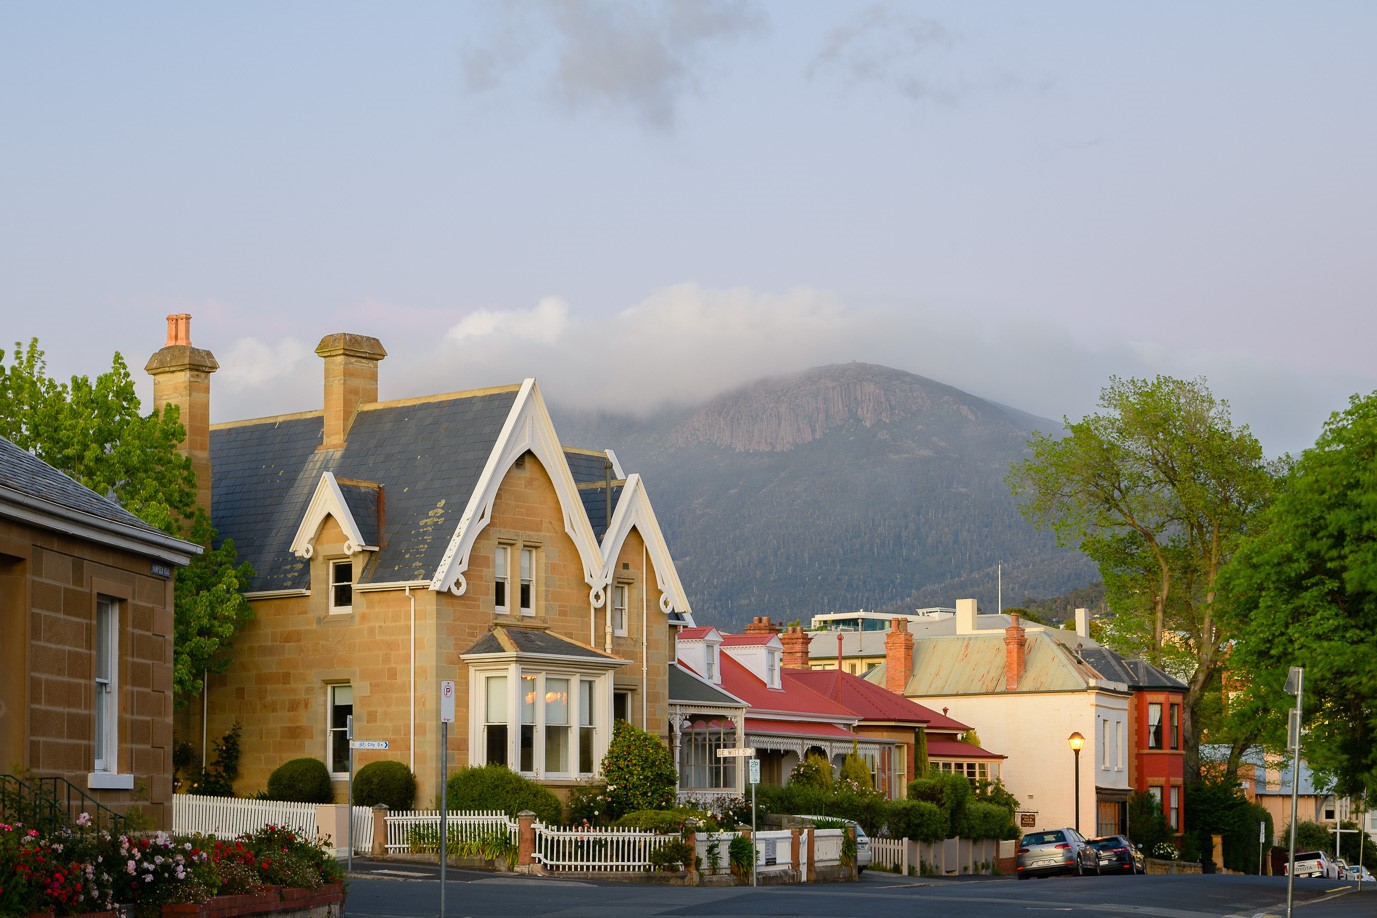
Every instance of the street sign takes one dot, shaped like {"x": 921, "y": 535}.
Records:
{"x": 744, "y": 752}
{"x": 446, "y": 701}
{"x": 368, "y": 744}
{"x": 755, "y": 771}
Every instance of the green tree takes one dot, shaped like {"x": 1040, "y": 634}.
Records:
{"x": 1302, "y": 591}
{"x": 92, "y": 430}
{"x": 639, "y": 770}
{"x": 855, "y": 770}
{"x": 1157, "y": 489}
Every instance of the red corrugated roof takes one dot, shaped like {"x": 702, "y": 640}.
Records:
{"x": 955, "y": 749}
{"x": 869, "y": 701}
{"x": 689, "y": 634}
{"x": 793, "y": 697}
{"x": 798, "y": 728}
{"x": 743, "y": 640}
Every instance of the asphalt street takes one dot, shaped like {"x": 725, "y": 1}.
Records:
{"x": 401, "y": 889}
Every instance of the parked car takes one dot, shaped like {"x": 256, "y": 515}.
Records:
{"x": 863, "y": 856}
{"x": 1358, "y": 874}
{"x": 1119, "y": 855}
{"x": 1336, "y": 869}
{"x": 1042, "y": 854}
{"x": 1311, "y": 864}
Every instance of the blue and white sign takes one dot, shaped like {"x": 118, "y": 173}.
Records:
{"x": 368, "y": 744}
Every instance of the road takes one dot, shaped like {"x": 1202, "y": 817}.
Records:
{"x": 408, "y": 890}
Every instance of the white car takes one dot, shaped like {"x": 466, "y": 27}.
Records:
{"x": 1312, "y": 864}
{"x": 1336, "y": 869}
{"x": 1358, "y": 874}
{"x": 862, "y": 840}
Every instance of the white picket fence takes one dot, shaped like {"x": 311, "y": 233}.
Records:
{"x": 596, "y": 850}
{"x": 418, "y": 831}
{"x": 953, "y": 856}
{"x": 230, "y": 817}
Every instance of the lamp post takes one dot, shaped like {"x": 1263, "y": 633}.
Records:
{"x": 1077, "y": 743}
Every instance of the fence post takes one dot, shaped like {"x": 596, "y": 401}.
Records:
{"x": 525, "y": 851}
{"x": 380, "y": 830}
{"x": 812, "y": 859}
{"x": 793, "y": 851}
{"x": 691, "y": 835}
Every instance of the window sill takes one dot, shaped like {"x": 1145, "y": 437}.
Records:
{"x": 107, "y": 780}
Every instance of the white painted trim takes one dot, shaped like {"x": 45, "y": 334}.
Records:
{"x": 108, "y": 780}
{"x": 392, "y": 585}
{"x": 328, "y": 501}
{"x": 277, "y": 594}
{"x": 635, "y": 512}
{"x": 528, "y": 428}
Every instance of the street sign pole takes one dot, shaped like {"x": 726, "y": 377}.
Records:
{"x": 1295, "y": 684}
{"x": 349, "y": 734}
{"x": 446, "y": 717}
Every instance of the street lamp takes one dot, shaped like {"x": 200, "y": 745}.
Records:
{"x": 1077, "y": 743}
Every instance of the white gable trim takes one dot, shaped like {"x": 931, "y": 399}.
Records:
{"x": 528, "y": 428}
{"x": 328, "y": 501}
{"x": 635, "y": 512}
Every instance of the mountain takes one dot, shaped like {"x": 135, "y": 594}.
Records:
{"x": 843, "y": 487}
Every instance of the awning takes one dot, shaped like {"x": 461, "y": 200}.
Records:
{"x": 798, "y": 728}
{"x": 955, "y": 749}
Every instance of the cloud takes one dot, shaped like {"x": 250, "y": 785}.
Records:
{"x": 640, "y": 59}
{"x": 897, "y": 49}
{"x": 544, "y": 324}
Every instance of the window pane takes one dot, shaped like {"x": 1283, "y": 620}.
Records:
{"x": 586, "y": 750}
{"x": 556, "y": 750}
{"x": 527, "y": 748}
{"x": 1154, "y": 726}
{"x": 341, "y": 706}
{"x": 527, "y": 578}
{"x": 500, "y": 569}
{"x": 496, "y": 744}
{"x": 495, "y": 704}
{"x": 528, "y": 694}
{"x": 342, "y": 584}
{"x": 586, "y": 702}
{"x": 556, "y": 701}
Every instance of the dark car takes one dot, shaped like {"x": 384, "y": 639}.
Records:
{"x": 1042, "y": 854}
{"x": 1119, "y": 855}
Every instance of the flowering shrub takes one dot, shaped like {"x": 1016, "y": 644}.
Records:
{"x": 639, "y": 770}
{"x": 70, "y": 871}
{"x": 50, "y": 872}
{"x": 1165, "y": 851}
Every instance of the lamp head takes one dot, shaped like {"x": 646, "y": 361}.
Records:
{"x": 1076, "y": 741}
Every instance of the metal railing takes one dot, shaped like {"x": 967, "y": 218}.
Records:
{"x": 49, "y": 803}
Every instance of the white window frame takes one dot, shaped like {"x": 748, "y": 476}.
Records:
{"x": 527, "y": 562}
{"x": 1156, "y": 738}
{"x": 336, "y": 728}
{"x": 502, "y": 575}
{"x": 528, "y": 712}
{"x": 621, "y": 597}
{"x": 700, "y": 767}
{"x": 771, "y": 667}
{"x": 106, "y": 689}
{"x": 713, "y": 658}
{"x": 336, "y": 565}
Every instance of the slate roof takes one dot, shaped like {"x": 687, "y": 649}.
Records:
{"x": 425, "y": 455}
{"x": 504, "y": 639}
{"x": 1138, "y": 675}
{"x": 686, "y": 687}
{"x": 30, "y": 482}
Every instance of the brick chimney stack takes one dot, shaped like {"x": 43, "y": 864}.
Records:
{"x": 181, "y": 377}
{"x": 1015, "y": 653}
{"x": 898, "y": 655}
{"x": 796, "y": 644}
{"x": 761, "y": 624}
{"x": 351, "y": 381}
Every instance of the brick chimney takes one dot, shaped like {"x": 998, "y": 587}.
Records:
{"x": 761, "y": 624}
{"x": 898, "y": 655}
{"x": 181, "y": 377}
{"x": 351, "y": 381}
{"x": 1015, "y": 653}
{"x": 796, "y": 643}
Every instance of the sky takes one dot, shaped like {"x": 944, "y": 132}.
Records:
{"x": 643, "y": 203}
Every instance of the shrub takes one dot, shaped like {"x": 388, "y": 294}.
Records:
{"x": 672, "y": 855}
{"x": 952, "y": 792}
{"x": 304, "y": 780}
{"x": 855, "y": 771}
{"x": 1147, "y": 824}
{"x": 814, "y": 771}
{"x": 919, "y": 820}
{"x": 741, "y": 855}
{"x": 667, "y": 821}
{"x": 588, "y": 804}
{"x": 989, "y": 820}
{"x": 496, "y": 787}
{"x": 387, "y": 782}
{"x": 639, "y": 770}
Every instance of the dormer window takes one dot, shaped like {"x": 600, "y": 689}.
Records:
{"x": 341, "y": 586}
{"x": 528, "y": 581}
{"x": 772, "y": 667}
{"x": 711, "y": 667}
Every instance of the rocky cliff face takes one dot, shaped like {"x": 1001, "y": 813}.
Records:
{"x": 841, "y": 487}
